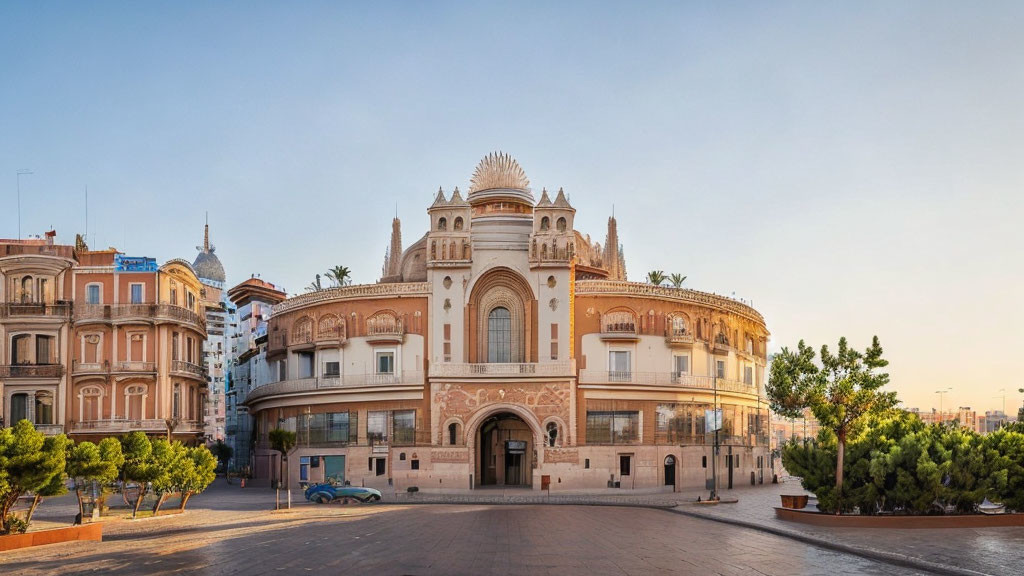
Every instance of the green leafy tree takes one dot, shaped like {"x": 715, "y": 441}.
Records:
{"x": 29, "y": 462}
{"x": 194, "y": 473}
{"x": 656, "y": 277}
{"x": 55, "y": 450}
{"x": 282, "y": 441}
{"x": 315, "y": 286}
{"x": 89, "y": 464}
{"x": 140, "y": 466}
{"x": 842, "y": 393}
{"x": 677, "y": 280}
{"x": 340, "y": 275}
{"x": 168, "y": 458}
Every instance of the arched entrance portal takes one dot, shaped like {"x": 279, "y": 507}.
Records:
{"x": 504, "y": 452}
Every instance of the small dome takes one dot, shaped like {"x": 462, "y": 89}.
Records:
{"x": 208, "y": 267}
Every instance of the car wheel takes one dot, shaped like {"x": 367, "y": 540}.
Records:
{"x": 375, "y": 498}
{"x": 321, "y": 499}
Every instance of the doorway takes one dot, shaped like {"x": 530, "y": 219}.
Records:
{"x": 670, "y": 471}
{"x": 504, "y": 454}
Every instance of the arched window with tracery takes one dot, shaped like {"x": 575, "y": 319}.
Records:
{"x": 453, "y": 434}
{"x": 499, "y": 335}
{"x": 383, "y": 323}
{"x": 545, "y": 223}
{"x": 619, "y": 322}
{"x": 442, "y": 223}
{"x": 302, "y": 330}
{"x": 678, "y": 325}
{"x": 330, "y": 327}
{"x": 561, "y": 224}
{"x": 458, "y": 223}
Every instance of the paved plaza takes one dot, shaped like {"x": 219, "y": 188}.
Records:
{"x": 230, "y": 531}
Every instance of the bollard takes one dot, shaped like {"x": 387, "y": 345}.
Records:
{"x": 277, "y": 499}
{"x": 289, "y": 498}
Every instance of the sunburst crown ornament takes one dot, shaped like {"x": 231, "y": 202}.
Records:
{"x": 496, "y": 171}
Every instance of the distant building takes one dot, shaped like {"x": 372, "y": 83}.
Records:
{"x": 992, "y": 420}
{"x": 99, "y": 344}
{"x": 218, "y": 318}
{"x": 254, "y": 299}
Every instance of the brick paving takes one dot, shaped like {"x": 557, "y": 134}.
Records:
{"x": 587, "y": 538}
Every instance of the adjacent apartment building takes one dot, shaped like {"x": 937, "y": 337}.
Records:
{"x": 96, "y": 343}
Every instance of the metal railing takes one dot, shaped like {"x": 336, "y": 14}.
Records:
{"x": 58, "y": 310}
{"x": 89, "y": 367}
{"x": 84, "y": 312}
{"x": 594, "y": 287}
{"x": 134, "y": 367}
{"x": 678, "y": 337}
{"x": 50, "y": 429}
{"x": 460, "y": 370}
{"x": 669, "y": 379}
{"x": 120, "y": 425}
{"x": 31, "y": 371}
{"x": 334, "y": 382}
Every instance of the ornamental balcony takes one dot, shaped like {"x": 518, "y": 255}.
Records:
{"x": 189, "y": 369}
{"x": 666, "y": 379}
{"x": 134, "y": 367}
{"x": 560, "y": 369}
{"x": 334, "y": 383}
{"x": 59, "y": 310}
{"x": 31, "y": 371}
{"x": 123, "y": 425}
{"x": 721, "y": 347}
{"x": 619, "y": 326}
{"x": 679, "y": 338}
{"x": 109, "y": 313}
{"x": 50, "y": 429}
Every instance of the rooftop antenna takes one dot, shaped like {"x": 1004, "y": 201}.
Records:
{"x": 21, "y": 172}
{"x": 86, "y": 211}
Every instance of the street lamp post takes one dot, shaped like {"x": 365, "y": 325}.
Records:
{"x": 942, "y": 393}
{"x": 714, "y": 449}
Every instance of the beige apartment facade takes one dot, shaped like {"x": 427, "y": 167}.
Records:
{"x": 505, "y": 348}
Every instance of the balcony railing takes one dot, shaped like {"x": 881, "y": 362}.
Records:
{"x": 31, "y": 371}
{"x": 87, "y": 312}
{"x": 719, "y": 347}
{"x": 58, "y": 310}
{"x": 89, "y": 367}
{"x": 128, "y": 425}
{"x": 334, "y": 382}
{"x": 678, "y": 337}
{"x": 459, "y": 370}
{"x": 50, "y": 429}
{"x": 668, "y": 379}
{"x": 134, "y": 367}
{"x": 187, "y": 368}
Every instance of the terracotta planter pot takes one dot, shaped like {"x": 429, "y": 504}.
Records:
{"x": 796, "y": 502}
{"x": 54, "y": 536}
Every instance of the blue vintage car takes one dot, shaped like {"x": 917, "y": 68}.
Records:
{"x": 325, "y": 493}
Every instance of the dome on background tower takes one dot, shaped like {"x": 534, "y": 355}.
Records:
{"x": 207, "y": 265}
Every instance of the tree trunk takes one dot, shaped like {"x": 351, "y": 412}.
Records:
{"x": 138, "y": 501}
{"x": 32, "y": 509}
{"x": 124, "y": 493}
{"x": 840, "y": 453}
{"x": 184, "y": 500}
{"x": 159, "y": 502}
{"x": 5, "y": 510}
{"x": 81, "y": 504}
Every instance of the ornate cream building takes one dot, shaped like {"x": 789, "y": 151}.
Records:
{"x": 503, "y": 347}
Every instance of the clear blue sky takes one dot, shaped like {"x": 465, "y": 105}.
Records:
{"x": 853, "y": 169}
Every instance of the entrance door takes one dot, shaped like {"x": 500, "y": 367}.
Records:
{"x": 513, "y": 469}
{"x": 729, "y": 465}
{"x": 670, "y": 471}
{"x": 381, "y": 467}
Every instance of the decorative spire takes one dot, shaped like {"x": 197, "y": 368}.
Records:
{"x": 206, "y": 248}
{"x": 457, "y": 199}
{"x": 545, "y": 202}
{"x": 560, "y": 201}
{"x": 393, "y": 257}
{"x": 613, "y": 261}
{"x": 440, "y": 200}
{"x": 498, "y": 170}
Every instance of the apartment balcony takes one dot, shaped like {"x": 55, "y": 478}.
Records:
{"x": 110, "y": 313}
{"x": 123, "y": 425}
{"x": 59, "y": 310}
{"x": 721, "y": 348}
{"x": 183, "y": 368}
{"x": 31, "y": 371}
{"x": 559, "y": 369}
{"x": 334, "y": 383}
{"x": 89, "y": 368}
{"x": 134, "y": 367}
{"x": 50, "y": 429}
{"x": 387, "y": 330}
{"x": 667, "y": 380}
{"x": 679, "y": 339}
{"x": 619, "y": 326}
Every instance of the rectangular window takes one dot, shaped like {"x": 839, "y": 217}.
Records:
{"x": 415, "y": 464}
{"x": 377, "y": 427}
{"x": 174, "y": 296}
{"x": 385, "y": 362}
{"x": 404, "y": 424}
{"x": 554, "y": 341}
{"x": 43, "y": 350}
{"x": 586, "y": 463}
{"x": 682, "y": 365}
{"x": 447, "y": 342}
{"x": 136, "y": 293}
{"x": 304, "y": 469}
{"x": 748, "y": 375}
{"x": 619, "y": 366}
{"x": 175, "y": 347}
{"x": 92, "y": 294}
{"x": 720, "y": 368}
{"x": 613, "y": 427}
{"x": 332, "y": 369}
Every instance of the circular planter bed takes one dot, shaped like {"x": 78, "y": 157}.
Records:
{"x": 794, "y": 501}
{"x": 859, "y": 521}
